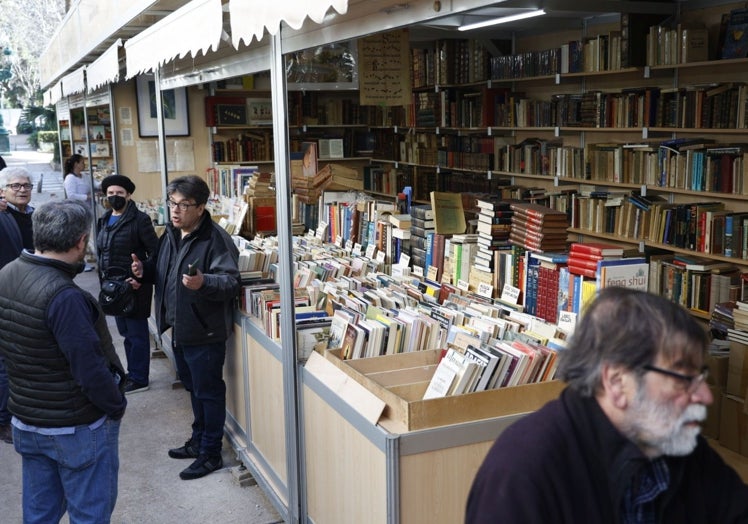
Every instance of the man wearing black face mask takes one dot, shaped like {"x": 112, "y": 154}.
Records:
{"x": 122, "y": 231}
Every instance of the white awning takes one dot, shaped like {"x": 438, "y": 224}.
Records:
{"x": 249, "y": 18}
{"x": 53, "y": 94}
{"x": 104, "y": 69}
{"x": 194, "y": 27}
{"x": 74, "y": 82}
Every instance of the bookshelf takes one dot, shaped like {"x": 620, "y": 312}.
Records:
{"x": 90, "y": 135}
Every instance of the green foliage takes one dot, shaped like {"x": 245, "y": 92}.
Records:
{"x": 47, "y": 136}
{"x": 33, "y": 140}
{"x": 47, "y": 122}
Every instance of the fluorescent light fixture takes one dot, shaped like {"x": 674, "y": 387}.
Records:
{"x": 502, "y": 20}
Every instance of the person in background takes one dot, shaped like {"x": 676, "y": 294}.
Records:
{"x": 77, "y": 185}
{"x": 122, "y": 231}
{"x": 16, "y": 234}
{"x": 196, "y": 279}
{"x": 65, "y": 375}
{"x": 622, "y": 442}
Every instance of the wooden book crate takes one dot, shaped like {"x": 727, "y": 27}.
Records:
{"x": 401, "y": 380}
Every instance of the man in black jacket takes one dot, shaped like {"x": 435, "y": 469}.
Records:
{"x": 65, "y": 376}
{"x": 196, "y": 281}
{"x": 622, "y": 444}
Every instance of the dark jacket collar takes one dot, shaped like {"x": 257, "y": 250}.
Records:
{"x": 40, "y": 260}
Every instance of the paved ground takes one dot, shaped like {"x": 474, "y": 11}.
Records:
{"x": 150, "y": 490}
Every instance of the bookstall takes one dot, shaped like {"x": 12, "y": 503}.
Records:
{"x": 300, "y": 434}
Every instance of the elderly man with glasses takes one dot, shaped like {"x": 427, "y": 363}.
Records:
{"x": 622, "y": 443}
{"x": 16, "y": 234}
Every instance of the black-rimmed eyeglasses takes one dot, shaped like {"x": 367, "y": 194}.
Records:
{"x": 690, "y": 383}
{"x": 18, "y": 187}
{"x": 183, "y": 206}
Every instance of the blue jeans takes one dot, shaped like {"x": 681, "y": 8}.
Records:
{"x": 4, "y": 393}
{"x": 76, "y": 473}
{"x": 200, "y": 369}
{"x": 137, "y": 347}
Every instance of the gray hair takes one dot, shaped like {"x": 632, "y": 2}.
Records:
{"x": 59, "y": 224}
{"x": 9, "y": 173}
{"x": 631, "y": 329}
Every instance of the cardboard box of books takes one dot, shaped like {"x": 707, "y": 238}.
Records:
{"x": 402, "y": 380}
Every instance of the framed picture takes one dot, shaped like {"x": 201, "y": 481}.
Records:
{"x": 100, "y": 149}
{"x": 327, "y": 66}
{"x": 259, "y": 111}
{"x": 231, "y": 114}
{"x": 176, "y": 114}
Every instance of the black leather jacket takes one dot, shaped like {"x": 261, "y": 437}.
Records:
{"x": 204, "y": 316}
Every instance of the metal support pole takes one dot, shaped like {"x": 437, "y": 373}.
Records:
{"x": 285, "y": 276}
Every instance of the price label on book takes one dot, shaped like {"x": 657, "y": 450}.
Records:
{"x": 339, "y": 240}
{"x": 349, "y": 245}
{"x": 433, "y": 273}
{"x": 418, "y": 271}
{"x": 404, "y": 260}
{"x": 566, "y": 321}
{"x": 400, "y": 272}
{"x": 463, "y": 285}
{"x": 370, "y": 250}
{"x": 510, "y": 294}
{"x": 381, "y": 256}
{"x": 485, "y": 290}
{"x": 356, "y": 249}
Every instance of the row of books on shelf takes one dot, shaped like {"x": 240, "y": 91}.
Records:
{"x": 455, "y": 61}
{"x": 705, "y": 227}
{"x": 710, "y": 106}
{"x": 693, "y": 164}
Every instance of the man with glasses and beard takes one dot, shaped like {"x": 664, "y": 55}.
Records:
{"x": 622, "y": 443}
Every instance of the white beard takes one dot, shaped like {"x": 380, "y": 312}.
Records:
{"x": 660, "y": 429}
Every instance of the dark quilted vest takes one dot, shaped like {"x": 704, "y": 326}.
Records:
{"x": 42, "y": 390}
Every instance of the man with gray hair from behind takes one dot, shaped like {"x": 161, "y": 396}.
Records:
{"x": 65, "y": 377}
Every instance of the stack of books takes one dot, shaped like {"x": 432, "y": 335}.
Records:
{"x": 421, "y": 230}
{"x": 739, "y": 330}
{"x": 584, "y": 257}
{"x": 261, "y": 184}
{"x": 493, "y": 228}
{"x": 538, "y": 228}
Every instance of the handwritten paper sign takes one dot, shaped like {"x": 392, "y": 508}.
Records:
{"x": 384, "y": 69}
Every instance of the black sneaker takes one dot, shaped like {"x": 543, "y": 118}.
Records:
{"x": 134, "y": 387}
{"x": 204, "y": 465}
{"x": 188, "y": 451}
